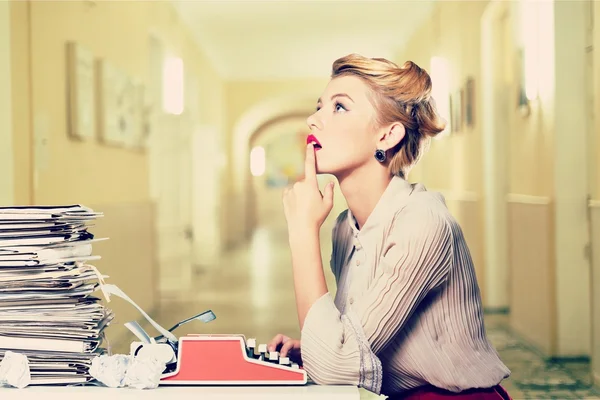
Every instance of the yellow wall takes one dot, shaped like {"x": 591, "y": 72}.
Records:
{"x": 450, "y": 163}
{"x": 594, "y": 145}
{"x": 20, "y": 87}
{"x": 114, "y": 180}
{"x": 454, "y": 163}
{"x": 533, "y": 286}
{"x": 6, "y": 141}
{"x": 72, "y": 171}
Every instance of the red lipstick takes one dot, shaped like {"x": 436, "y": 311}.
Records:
{"x": 312, "y": 138}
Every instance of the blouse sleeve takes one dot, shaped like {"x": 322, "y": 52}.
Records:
{"x": 342, "y": 349}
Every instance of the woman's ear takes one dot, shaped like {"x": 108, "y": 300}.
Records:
{"x": 391, "y": 136}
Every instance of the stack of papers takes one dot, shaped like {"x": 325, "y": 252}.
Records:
{"x": 47, "y": 310}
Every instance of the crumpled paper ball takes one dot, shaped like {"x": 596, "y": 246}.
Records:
{"x": 140, "y": 372}
{"x": 110, "y": 370}
{"x": 145, "y": 372}
{"x": 14, "y": 370}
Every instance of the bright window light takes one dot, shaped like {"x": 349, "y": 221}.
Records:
{"x": 531, "y": 43}
{"x": 257, "y": 161}
{"x": 440, "y": 91}
{"x": 173, "y": 85}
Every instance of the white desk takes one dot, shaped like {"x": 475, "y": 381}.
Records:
{"x": 309, "y": 391}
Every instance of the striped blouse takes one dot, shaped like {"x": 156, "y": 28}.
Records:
{"x": 407, "y": 311}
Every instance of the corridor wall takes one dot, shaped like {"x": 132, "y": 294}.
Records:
{"x": 52, "y": 168}
{"x": 548, "y": 293}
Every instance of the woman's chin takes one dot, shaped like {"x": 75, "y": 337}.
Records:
{"x": 325, "y": 171}
{"x": 321, "y": 169}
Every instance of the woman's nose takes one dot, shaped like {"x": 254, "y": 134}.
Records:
{"x": 313, "y": 121}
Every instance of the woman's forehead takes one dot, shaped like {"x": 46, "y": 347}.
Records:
{"x": 350, "y": 85}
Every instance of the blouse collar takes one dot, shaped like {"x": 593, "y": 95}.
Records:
{"x": 385, "y": 208}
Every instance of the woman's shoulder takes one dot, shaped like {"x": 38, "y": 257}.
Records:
{"x": 422, "y": 200}
{"x": 427, "y": 209}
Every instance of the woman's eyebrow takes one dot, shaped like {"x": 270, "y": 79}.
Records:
{"x": 337, "y": 95}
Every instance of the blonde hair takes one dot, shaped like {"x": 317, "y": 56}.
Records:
{"x": 399, "y": 94}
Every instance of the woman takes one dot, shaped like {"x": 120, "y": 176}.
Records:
{"x": 407, "y": 317}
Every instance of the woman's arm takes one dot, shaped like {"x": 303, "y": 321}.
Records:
{"x": 309, "y": 278}
{"x": 305, "y": 211}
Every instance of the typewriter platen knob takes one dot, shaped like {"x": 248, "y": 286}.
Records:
{"x": 161, "y": 351}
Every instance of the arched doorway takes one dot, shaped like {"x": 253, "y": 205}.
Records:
{"x": 258, "y": 117}
{"x": 276, "y": 160}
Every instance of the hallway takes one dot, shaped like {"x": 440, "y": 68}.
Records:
{"x": 251, "y": 292}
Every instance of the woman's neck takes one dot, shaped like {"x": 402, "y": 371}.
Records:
{"x": 362, "y": 191}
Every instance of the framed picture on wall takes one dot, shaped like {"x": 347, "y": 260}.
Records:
{"x": 463, "y": 112}
{"x": 470, "y": 102}
{"x": 522, "y": 101}
{"x": 80, "y": 92}
{"x": 142, "y": 118}
{"x": 456, "y": 112}
{"x": 117, "y": 105}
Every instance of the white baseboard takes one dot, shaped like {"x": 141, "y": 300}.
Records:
{"x": 527, "y": 199}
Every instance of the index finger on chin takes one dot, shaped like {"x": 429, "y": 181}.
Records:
{"x": 310, "y": 169}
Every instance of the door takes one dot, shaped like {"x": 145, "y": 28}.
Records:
{"x": 171, "y": 164}
{"x": 170, "y": 181}
{"x": 206, "y": 178}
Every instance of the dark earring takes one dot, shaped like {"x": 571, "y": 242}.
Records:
{"x": 380, "y": 155}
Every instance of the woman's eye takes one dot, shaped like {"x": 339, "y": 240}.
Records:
{"x": 339, "y": 106}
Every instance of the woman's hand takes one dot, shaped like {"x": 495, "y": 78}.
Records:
{"x": 305, "y": 207}
{"x": 286, "y": 347}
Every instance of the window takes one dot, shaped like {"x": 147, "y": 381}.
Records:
{"x": 257, "y": 161}
{"x": 173, "y": 78}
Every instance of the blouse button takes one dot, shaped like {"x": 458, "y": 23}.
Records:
{"x": 357, "y": 262}
{"x": 351, "y": 300}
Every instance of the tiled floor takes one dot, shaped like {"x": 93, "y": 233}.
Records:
{"x": 251, "y": 292}
{"x": 532, "y": 376}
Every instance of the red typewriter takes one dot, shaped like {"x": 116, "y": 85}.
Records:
{"x": 208, "y": 359}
